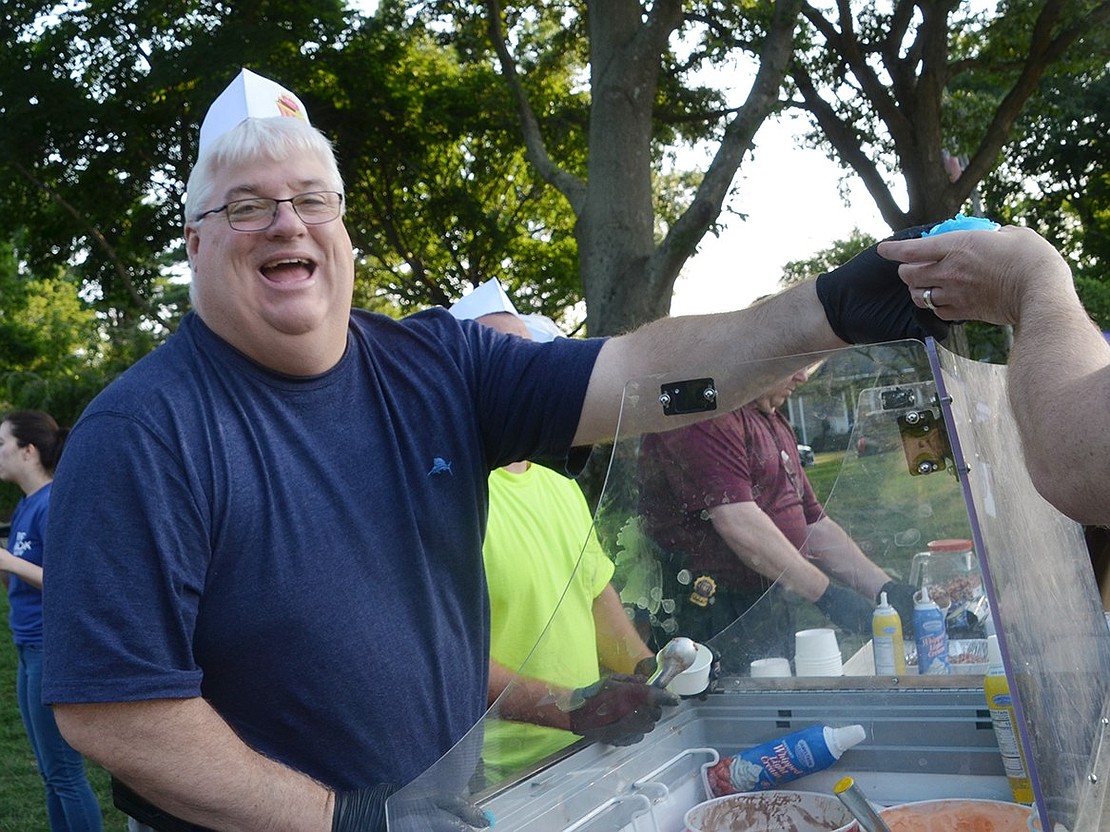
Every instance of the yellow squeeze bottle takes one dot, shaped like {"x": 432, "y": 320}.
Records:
{"x": 886, "y": 640}
{"x": 1000, "y": 703}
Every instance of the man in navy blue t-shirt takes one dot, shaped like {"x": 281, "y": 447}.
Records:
{"x": 272, "y": 611}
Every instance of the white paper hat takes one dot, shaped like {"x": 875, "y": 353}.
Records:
{"x": 248, "y": 96}
{"x": 486, "y": 299}
{"x": 489, "y": 297}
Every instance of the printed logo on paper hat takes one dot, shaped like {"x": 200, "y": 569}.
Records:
{"x": 248, "y": 96}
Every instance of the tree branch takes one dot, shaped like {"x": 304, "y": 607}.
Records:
{"x": 101, "y": 241}
{"x": 570, "y": 186}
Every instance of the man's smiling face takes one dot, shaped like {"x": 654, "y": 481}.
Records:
{"x": 260, "y": 290}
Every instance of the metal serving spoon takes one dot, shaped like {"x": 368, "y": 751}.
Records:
{"x": 676, "y": 655}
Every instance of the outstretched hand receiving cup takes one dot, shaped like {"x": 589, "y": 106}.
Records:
{"x": 992, "y": 276}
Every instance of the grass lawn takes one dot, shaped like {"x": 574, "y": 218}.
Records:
{"x": 22, "y": 797}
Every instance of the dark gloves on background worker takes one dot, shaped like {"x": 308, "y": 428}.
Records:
{"x": 618, "y": 709}
{"x": 900, "y": 597}
{"x": 846, "y": 608}
{"x": 363, "y": 810}
{"x": 866, "y": 302}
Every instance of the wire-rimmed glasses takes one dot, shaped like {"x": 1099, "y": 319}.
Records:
{"x": 257, "y": 213}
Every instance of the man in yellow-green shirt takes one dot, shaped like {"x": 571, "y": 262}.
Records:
{"x": 556, "y": 623}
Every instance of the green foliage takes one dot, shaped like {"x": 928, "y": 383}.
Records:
{"x": 1057, "y": 179}
{"x": 441, "y": 197}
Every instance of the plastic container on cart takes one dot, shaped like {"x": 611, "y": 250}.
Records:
{"x": 953, "y": 814}
{"x": 951, "y": 573}
{"x": 767, "y": 811}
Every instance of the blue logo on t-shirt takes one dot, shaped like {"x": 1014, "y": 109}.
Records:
{"x": 440, "y": 466}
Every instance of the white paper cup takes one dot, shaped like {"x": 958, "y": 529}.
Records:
{"x": 826, "y": 667}
{"x": 769, "y": 668}
{"x": 816, "y": 645}
{"x": 694, "y": 679}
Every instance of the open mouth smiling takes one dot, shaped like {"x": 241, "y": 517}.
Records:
{"x": 288, "y": 270}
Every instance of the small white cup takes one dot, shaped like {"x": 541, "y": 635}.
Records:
{"x": 819, "y": 644}
{"x": 694, "y": 679}
{"x": 768, "y": 668}
{"x": 825, "y": 667}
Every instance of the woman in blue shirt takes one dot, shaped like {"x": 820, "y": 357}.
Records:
{"x": 30, "y": 444}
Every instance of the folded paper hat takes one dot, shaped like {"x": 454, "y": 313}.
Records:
{"x": 485, "y": 299}
{"x": 489, "y": 298}
{"x": 248, "y": 96}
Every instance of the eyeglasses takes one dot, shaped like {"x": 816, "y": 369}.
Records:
{"x": 259, "y": 212}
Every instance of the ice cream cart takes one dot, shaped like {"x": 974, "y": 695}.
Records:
{"x": 922, "y": 446}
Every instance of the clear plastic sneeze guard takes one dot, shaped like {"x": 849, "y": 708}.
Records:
{"x": 899, "y": 446}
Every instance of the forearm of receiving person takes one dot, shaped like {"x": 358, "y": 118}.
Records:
{"x": 755, "y": 539}
{"x": 180, "y": 755}
{"x": 1059, "y": 386}
{"x": 527, "y": 699}
{"x": 619, "y": 646}
{"x": 734, "y": 346}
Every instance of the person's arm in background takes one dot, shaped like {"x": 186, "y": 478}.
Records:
{"x": 209, "y": 777}
{"x": 26, "y": 571}
{"x": 528, "y": 700}
{"x": 760, "y": 545}
{"x": 831, "y": 549}
{"x": 755, "y": 539}
{"x": 1059, "y": 367}
{"x": 618, "y": 709}
{"x": 619, "y": 646}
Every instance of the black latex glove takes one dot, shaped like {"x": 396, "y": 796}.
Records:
{"x": 866, "y": 302}
{"x": 363, "y": 810}
{"x": 618, "y": 710}
{"x": 846, "y": 609}
{"x": 900, "y": 597}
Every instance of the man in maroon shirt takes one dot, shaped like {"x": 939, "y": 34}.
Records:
{"x": 729, "y": 500}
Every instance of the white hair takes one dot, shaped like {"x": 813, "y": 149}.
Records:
{"x": 274, "y": 139}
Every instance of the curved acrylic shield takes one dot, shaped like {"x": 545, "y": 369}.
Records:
{"x": 788, "y": 516}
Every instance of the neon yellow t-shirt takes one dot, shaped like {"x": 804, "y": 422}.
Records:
{"x": 539, "y": 525}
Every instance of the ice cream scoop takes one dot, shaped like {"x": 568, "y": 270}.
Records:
{"x": 676, "y": 655}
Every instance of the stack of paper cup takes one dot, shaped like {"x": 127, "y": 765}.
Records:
{"x": 768, "y": 668}
{"x": 816, "y": 653}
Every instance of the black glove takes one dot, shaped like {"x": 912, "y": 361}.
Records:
{"x": 900, "y": 597}
{"x": 866, "y": 302}
{"x": 846, "y": 608}
{"x": 618, "y": 710}
{"x": 363, "y": 810}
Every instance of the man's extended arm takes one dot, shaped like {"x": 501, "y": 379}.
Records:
{"x": 780, "y": 327}
{"x": 181, "y": 756}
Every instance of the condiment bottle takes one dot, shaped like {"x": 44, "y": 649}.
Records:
{"x": 931, "y": 635}
{"x": 1000, "y": 703}
{"x": 886, "y": 639}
